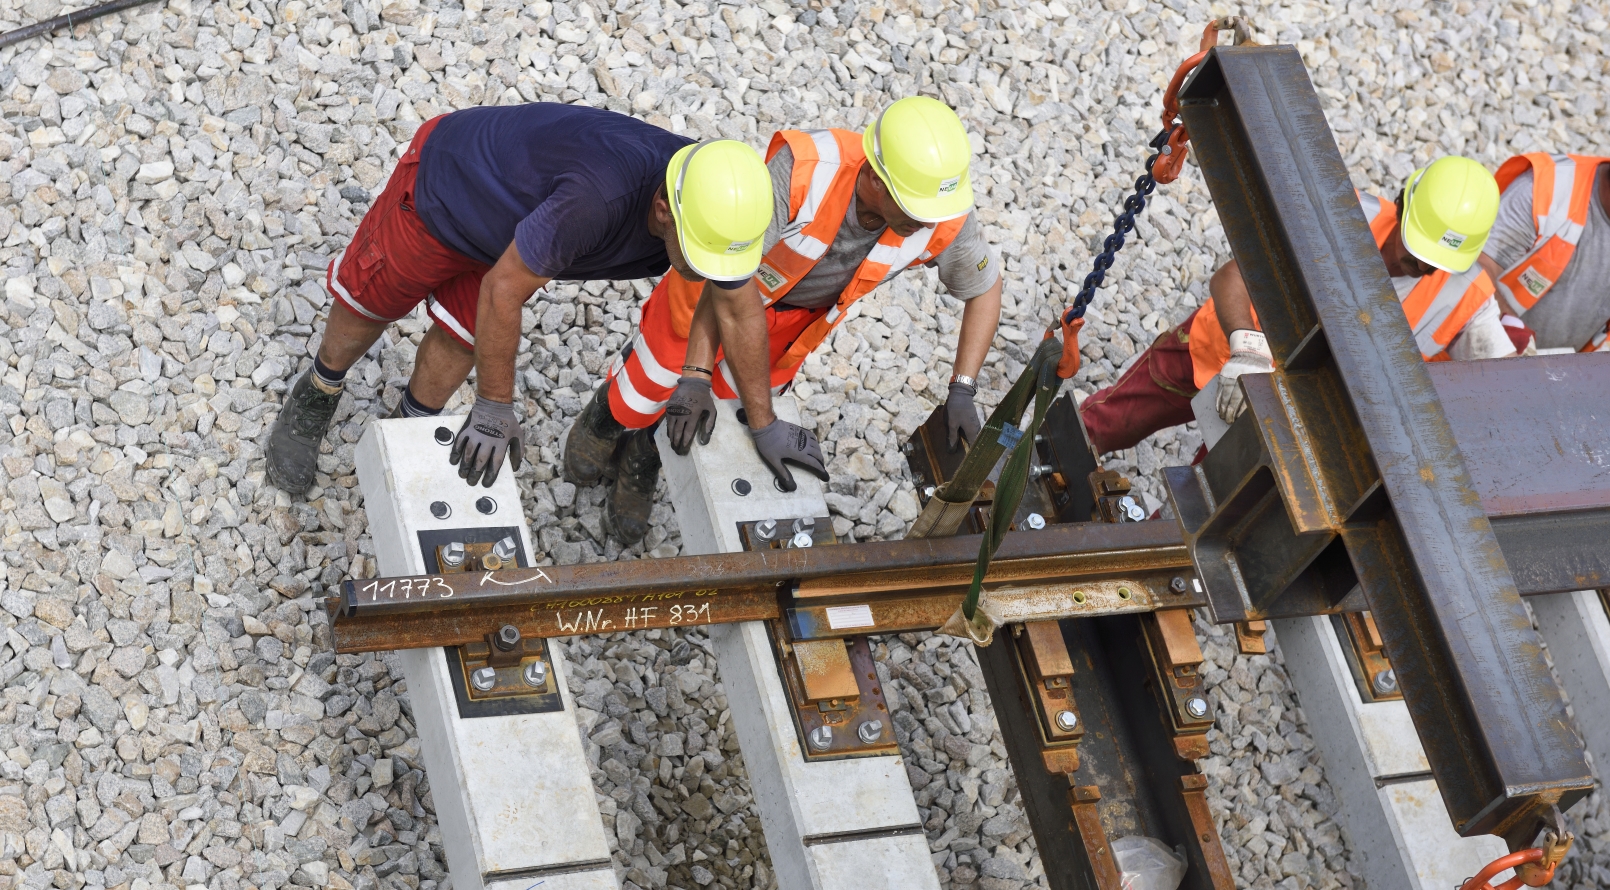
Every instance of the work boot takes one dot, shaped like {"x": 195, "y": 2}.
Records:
{"x": 293, "y": 448}
{"x": 630, "y": 498}
{"x": 591, "y": 441}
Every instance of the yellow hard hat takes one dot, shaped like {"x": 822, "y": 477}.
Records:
{"x": 919, "y": 148}
{"x": 721, "y": 200}
{"x": 1448, "y": 211}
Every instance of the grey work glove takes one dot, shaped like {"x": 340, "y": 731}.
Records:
{"x": 781, "y": 441}
{"x": 488, "y": 433}
{"x": 961, "y": 416}
{"x": 691, "y": 411}
{"x": 1249, "y": 354}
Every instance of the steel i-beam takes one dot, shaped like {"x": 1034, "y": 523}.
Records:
{"x": 1345, "y": 472}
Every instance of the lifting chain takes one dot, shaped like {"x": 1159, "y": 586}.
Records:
{"x": 1169, "y": 147}
{"x": 1039, "y": 382}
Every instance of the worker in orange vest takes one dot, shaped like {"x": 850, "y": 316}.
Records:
{"x": 1429, "y": 238}
{"x": 1550, "y": 249}
{"x": 851, "y": 211}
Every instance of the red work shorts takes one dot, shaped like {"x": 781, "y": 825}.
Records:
{"x": 394, "y": 262}
{"x": 1154, "y": 394}
{"x": 645, "y": 375}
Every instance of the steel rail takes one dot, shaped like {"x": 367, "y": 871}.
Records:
{"x": 1062, "y": 571}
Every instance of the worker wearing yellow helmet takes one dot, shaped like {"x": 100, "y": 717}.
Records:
{"x": 851, "y": 210}
{"x": 1429, "y": 238}
{"x": 488, "y": 205}
{"x": 1550, "y": 250}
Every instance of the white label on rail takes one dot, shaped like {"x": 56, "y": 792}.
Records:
{"x": 844, "y": 617}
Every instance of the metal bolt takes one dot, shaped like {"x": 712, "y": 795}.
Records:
{"x": 1039, "y": 470}
{"x": 486, "y": 505}
{"x": 1178, "y": 585}
{"x": 1386, "y": 682}
{"x": 440, "y": 510}
{"x": 444, "y": 436}
{"x": 804, "y": 524}
{"x": 1067, "y": 720}
{"x": 766, "y": 529}
{"x": 801, "y": 540}
{"x": 507, "y": 637}
{"x": 1197, "y": 707}
{"x": 453, "y": 555}
{"x": 928, "y": 492}
{"x": 484, "y": 679}
{"x": 490, "y": 562}
{"x": 869, "y": 731}
{"x": 822, "y": 738}
{"x": 741, "y": 487}
{"x": 908, "y": 448}
{"x": 506, "y": 548}
{"x": 1034, "y": 521}
{"x": 1132, "y": 512}
{"x": 535, "y": 674}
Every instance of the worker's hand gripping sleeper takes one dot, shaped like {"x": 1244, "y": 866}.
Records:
{"x": 781, "y": 441}
{"x": 488, "y": 433}
{"x": 691, "y": 411}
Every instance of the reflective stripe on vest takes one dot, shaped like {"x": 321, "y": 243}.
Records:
{"x": 826, "y": 165}
{"x": 1562, "y": 186}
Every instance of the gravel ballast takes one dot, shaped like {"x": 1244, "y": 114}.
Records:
{"x": 174, "y": 181}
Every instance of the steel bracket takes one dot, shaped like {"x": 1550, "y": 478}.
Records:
{"x": 1345, "y": 473}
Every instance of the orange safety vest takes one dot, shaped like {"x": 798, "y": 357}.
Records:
{"x": 1438, "y": 306}
{"x": 1562, "y": 186}
{"x": 1562, "y": 189}
{"x": 826, "y": 164}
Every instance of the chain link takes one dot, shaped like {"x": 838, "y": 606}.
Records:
{"x": 1134, "y": 205}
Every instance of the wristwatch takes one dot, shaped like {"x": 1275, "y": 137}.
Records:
{"x": 963, "y": 378}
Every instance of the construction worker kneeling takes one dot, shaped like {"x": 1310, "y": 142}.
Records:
{"x": 852, "y": 210}
{"x": 1429, "y": 238}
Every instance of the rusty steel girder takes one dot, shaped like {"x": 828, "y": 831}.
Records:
{"x": 1077, "y": 570}
{"x": 1345, "y": 473}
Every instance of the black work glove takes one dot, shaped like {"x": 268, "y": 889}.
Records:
{"x": 961, "y": 417}
{"x": 692, "y": 410}
{"x": 488, "y": 433}
{"x": 781, "y": 441}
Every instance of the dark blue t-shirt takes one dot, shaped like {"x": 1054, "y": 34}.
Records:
{"x": 571, "y": 186}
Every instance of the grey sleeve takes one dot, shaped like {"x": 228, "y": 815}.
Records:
{"x": 1514, "y": 231}
{"x": 969, "y": 265}
{"x": 781, "y": 168}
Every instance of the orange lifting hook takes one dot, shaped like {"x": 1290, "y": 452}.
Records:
{"x": 1167, "y": 169}
{"x": 1534, "y": 867}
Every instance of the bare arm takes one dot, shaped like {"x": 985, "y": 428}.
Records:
{"x": 741, "y": 322}
{"x": 1491, "y": 266}
{"x": 704, "y": 336}
{"x": 504, "y": 289}
{"x": 979, "y": 320}
{"x": 1231, "y": 300}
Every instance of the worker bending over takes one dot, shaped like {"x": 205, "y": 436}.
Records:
{"x": 1429, "y": 239}
{"x": 852, "y": 210}
{"x": 485, "y": 208}
{"x": 1550, "y": 249}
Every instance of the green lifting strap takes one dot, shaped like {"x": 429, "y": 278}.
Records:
{"x": 945, "y": 510}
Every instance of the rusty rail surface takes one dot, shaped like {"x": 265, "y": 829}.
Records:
{"x": 1062, "y": 571}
